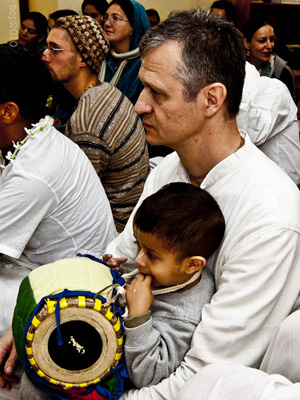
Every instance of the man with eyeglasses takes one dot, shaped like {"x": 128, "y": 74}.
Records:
{"x": 104, "y": 124}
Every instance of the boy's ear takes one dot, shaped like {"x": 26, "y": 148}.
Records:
{"x": 193, "y": 264}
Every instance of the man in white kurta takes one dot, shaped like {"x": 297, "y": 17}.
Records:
{"x": 257, "y": 267}
{"x": 53, "y": 206}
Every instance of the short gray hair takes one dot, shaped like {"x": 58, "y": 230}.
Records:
{"x": 212, "y": 51}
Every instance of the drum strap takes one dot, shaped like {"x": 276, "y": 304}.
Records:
{"x": 169, "y": 289}
{"x": 120, "y": 290}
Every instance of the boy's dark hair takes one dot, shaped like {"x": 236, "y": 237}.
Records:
{"x": 186, "y": 218}
{"x": 24, "y": 80}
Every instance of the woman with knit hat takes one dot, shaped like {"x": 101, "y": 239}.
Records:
{"x": 125, "y": 23}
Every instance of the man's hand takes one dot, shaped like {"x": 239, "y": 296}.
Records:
{"x": 139, "y": 296}
{"x": 113, "y": 263}
{"x": 8, "y": 360}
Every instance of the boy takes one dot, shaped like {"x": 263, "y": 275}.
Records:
{"x": 177, "y": 229}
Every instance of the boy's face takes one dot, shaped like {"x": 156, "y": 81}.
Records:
{"x": 155, "y": 260}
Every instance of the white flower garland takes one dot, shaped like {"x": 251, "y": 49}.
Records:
{"x": 43, "y": 124}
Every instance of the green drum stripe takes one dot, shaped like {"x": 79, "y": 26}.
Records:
{"x": 24, "y": 307}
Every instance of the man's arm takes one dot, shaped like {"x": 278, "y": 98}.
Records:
{"x": 25, "y": 202}
{"x": 267, "y": 107}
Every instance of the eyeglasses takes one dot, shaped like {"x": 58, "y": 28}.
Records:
{"x": 55, "y": 51}
{"x": 114, "y": 19}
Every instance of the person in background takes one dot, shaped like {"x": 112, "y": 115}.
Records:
{"x": 259, "y": 41}
{"x": 32, "y": 33}
{"x": 95, "y": 9}
{"x": 225, "y": 9}
{"x": 104, "y": 124}
{"x": 63, "y": 103}
{"x": 125, "y": 23}
{"x": 57, "y": 14}
{"x": 153, "y": 16}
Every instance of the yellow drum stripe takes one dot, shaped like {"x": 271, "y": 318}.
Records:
{"x": 29, "y": 336}
{"x": 28, "y": 350}
{"x": 81, "y": 301}
{"x": 109, "y": 314}
{"x": 120, "y": 341}
{"x": 35, "y": 322}
{"x": 32, "y": 361}
{"x": 98, "y": 304}
{"x": 68, "y": 386}
{"x": 118, "y": 356}
{"x": 83, "y": 385}
{"x": 63, "y": 303}
{"x": 51, "y": 306}
{"x": 53, "y": 381}
{"x": 117, "y": 326}
{"x": 40, "y": 373}
{"x": 96, "y": 380}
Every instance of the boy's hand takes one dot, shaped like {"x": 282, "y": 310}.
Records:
{"x": 113, "y": 263}
{"x": 139, "y": 296}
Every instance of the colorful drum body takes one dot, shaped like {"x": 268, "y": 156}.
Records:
{"x": 69, "y": 340}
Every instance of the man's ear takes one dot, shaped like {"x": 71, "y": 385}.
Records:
{"x": 83, "y": 63}
{"x": 215, "y": 95}
{"x": 9, "y": 112}
{"x": 193, "y": 264}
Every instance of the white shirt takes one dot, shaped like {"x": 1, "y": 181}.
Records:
{"x": 257, "y": 267}
{"x": 52, "y": 203}
{"x": 269, "y": 115}
{"x": 53, "y": 206}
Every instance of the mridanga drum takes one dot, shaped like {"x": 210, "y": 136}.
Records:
{"x": 69, "y": 337}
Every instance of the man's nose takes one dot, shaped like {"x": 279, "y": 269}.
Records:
{"x": 143, "y": 105}
{"x": 45, "y": 56}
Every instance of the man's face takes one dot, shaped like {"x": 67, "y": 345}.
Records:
{"x": 168, "y": 118}
{"x": 61, "y": 56}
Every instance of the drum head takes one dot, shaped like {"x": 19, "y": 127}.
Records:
{"x": 92, "y": 344}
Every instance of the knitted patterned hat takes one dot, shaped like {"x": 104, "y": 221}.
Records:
{"x": 88, "y": 38}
